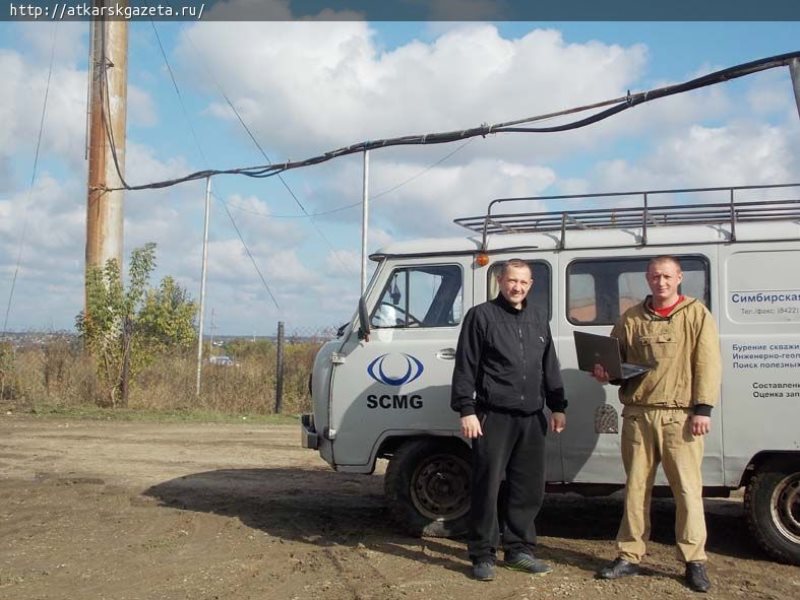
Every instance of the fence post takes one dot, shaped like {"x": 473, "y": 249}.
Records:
{"x": 279, "y": 371}
{"x": 125, "y": 377}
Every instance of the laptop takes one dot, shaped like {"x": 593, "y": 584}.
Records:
{"x": 595, "y": 349}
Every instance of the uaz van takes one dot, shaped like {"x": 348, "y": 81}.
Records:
{"x": 382, "y": 389}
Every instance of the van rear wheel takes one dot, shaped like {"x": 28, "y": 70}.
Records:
{"x": 772, "y": 506}
{"x": 427, "y": 487}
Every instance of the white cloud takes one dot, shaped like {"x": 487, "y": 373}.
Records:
{"x": 305, "y": 88}
{"x": 43, "y": 233}
{"x": 22, "y": 97}
{"x": 343, "y": 262}
{"x": 442, "y": 194}
{"x": 744, "y": 153}
{"x": 379, "y": 237}
{"x": 69, "y": 37}
{"x": 141, "y": 109}
{"x": 771, "y": 93}
{"x": 323, "y": 85}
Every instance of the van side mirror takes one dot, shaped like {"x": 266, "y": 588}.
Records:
{"x": 363, "y": 318}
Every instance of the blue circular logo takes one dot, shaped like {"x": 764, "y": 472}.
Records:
{"x": 414, "y": 369}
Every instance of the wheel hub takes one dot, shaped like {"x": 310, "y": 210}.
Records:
{"x": 440, "y": 487}
{"x": 786, "y": 507}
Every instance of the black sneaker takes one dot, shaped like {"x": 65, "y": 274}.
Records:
{"x": 618, "y": 568}
{"x": 522, "y": 561}
{"x": 696, "y": 577}
{"x": 483, "y": 571}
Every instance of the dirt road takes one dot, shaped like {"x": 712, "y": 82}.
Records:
{"x": 122, "y": 511}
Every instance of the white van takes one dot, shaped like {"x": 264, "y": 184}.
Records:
{"x": 382, "y": 389}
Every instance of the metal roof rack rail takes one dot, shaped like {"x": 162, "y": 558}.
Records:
{"x": 641, "y": 214}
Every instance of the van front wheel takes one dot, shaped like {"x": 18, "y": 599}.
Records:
{"x": 772, "y": 506}
{"x": 427, "y": 487}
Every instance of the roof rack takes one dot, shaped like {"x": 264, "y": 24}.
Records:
{"x": 642, "y": 215}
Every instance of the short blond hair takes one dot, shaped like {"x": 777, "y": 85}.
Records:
{"x": 657, "y": 260}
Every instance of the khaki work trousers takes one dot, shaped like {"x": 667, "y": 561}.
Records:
{"x": 651, "y": 436}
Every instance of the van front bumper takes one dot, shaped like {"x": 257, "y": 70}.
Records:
{"x": 309, "y": 437}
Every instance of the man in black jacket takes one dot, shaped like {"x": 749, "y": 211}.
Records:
{"x": 506, "y": 371}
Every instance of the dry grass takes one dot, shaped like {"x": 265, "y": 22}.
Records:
{"x": 58, "y": 374}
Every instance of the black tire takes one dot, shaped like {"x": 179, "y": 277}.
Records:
{"x": 427, "y": 487}
{"x": 772, "y": 507}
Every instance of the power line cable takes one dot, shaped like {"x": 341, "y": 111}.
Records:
{"x": 250, "y": 254}
{"x": 202, "y": 155}
{"x": 373, "y": 197}
{"x": 177, "y": 91}
{"x": 617, "y": 105}
{"x": 399, "y": 185}
{"x": 269, "y": 161}
{"x": 283, "y": 181}
{"x": 105, "y": 111}
{"x": 33, "y": 178}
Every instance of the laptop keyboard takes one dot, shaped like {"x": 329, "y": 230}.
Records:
{"x": 631, "y": 371}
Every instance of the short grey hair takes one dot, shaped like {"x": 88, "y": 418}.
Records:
{"x": 515, "y": 263}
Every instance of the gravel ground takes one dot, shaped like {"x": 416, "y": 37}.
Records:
{"x": 107, "y": 510}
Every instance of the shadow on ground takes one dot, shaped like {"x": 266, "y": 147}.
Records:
{"x": 326, "y": 508}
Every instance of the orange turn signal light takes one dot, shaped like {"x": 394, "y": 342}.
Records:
{"x": 481, "y": 259}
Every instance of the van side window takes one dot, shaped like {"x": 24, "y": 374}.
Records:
{"x": 420, "y": 296}
{"x": 600, "y": 290}
{"x": 538, "y": 296}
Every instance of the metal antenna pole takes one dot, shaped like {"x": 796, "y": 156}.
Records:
{"x": 203, "y": 286}
{"x": 794, "y": 70}
{"x": 364, "y": 223}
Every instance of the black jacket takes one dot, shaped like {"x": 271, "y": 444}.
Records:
{"x": 506, "y": 362}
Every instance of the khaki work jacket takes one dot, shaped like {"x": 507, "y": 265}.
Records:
{"x": 682, "y": 351}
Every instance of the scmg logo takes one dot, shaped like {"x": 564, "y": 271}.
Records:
{"x": 395, "y": 364}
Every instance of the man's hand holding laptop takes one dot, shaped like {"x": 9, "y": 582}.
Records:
{"x": 600, "y": 374}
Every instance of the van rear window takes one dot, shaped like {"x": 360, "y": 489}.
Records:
{"x": 600, "y": 290}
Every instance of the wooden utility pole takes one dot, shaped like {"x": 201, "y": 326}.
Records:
{"x": 108, "y": 94}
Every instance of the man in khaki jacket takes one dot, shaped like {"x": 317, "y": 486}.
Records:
{"x": 666, "y": 413}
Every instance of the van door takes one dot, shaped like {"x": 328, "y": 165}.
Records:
{"x": 398, "y": 382}
{"x": 599, "y": 287}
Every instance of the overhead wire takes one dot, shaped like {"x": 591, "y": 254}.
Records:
{"x": 202, "y": 155}
{"x": 399, "y": 185}
{"x": 616, "y": 105}
{"x": 105, "y": 112}
{"x": 252, "y": 258}
{"x": 283, "y": 181}
{"x": 177, "y": 91}
{"x": 373, "y": 197}
{"x": 33, "y": 179}
{"x": 319, "y": 231}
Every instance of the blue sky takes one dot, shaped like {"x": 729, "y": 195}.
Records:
{"x": 305, "y": 88}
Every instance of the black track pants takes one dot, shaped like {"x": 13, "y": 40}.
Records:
{"x": 512, "y": 447}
